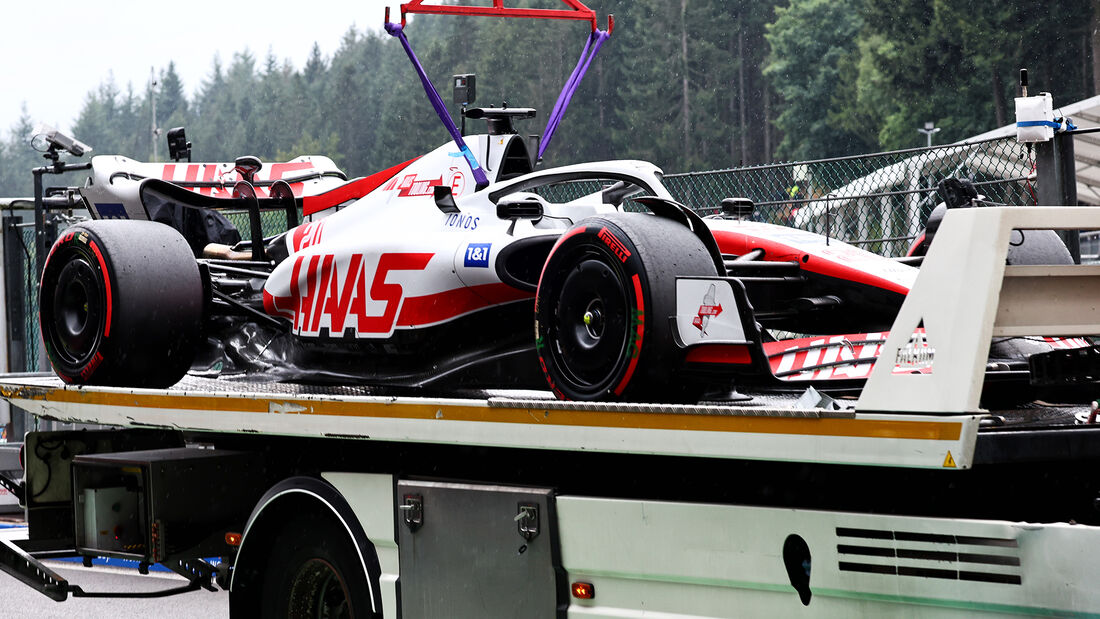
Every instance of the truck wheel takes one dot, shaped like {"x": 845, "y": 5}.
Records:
{"x": 121, "y": 303}
{"x": 603, "y": 308}
{"x": 314, "y": 572}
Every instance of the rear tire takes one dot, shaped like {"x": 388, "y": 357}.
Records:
{"x": 314, "y": 572}
{"x": 121, "y": 303}
{"x": 1028, "y": 247}
{"x": 604, "y": 305}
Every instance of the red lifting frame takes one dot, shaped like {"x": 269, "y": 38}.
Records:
{"x": 578, "y": 11}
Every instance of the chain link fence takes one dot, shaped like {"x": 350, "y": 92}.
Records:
{"x": 877, "y": 201}
{"x": 271, "y": 222}
{"x": 32, "y": 350}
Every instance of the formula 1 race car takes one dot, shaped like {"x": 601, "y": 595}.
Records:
{"x": 415, "y": 277}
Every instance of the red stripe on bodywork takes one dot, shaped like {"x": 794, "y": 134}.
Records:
{"x": 208, "y": 177}
{"x": 106, "y": 284}
{"x": 434, "y": 308}
{"x": 351, "y": 190}
{"x": 737, "y": 354}
{"x": 637, "y": 344}
{"x": 271, "y": 306}
{"x": 739, "y": 243}
{"x": 279, "y": 170}
{"x": 323, "y": 280}
{"x": 792, "y": 357}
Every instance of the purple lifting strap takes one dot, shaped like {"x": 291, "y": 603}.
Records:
{"x": 591, "y": 47}
{"x": 440, "y": 108}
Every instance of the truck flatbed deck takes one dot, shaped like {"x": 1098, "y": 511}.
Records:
{"x": 768, "y": 427}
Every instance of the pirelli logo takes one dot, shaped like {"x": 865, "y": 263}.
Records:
{"x": 614, "y": 244}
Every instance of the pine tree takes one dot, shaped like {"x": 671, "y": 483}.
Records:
{"x": 811, "y": 40}
{"x": 171, "y": 99}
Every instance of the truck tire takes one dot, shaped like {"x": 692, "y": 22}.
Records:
{"x": 604, "y": 304}
{"x": 121, "y": 304}
{"x": 313, "y": 571}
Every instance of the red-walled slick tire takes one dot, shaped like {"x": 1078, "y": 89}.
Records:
{"x": 604, "y": 308}
{"x": 121, "y": 304}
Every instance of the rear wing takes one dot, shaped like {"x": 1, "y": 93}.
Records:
{"x": 111, "y": 193}
{"x": 965, "y": 295}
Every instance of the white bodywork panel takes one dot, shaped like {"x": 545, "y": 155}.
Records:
{"x": 392, "y": 260}
{"x": 965, "y": 296}
{"x": 786, "y": 243}
{"x": 707, "y": 312}
{"x": 661, "y": 559}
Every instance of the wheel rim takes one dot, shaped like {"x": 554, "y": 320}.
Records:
{"x": 591, "y": 325}
{"x": 77, "y": 311}
{"x": 319, "y": 592}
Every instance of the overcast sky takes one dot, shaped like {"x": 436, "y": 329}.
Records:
{"x": 55, "y": 52}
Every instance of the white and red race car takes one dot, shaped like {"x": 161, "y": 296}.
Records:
{"x": 416, "y": 277}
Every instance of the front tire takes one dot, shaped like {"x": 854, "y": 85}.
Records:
{"x": 121, "y": 304}
{"x": 604, "y": 305}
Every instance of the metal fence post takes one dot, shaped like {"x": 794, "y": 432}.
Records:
{"x": 39, "y": 221}
{"x": 15, "y": 295}
{"x": 1048, "y": 185}
{"x": 43, "y": 362}
{"x": 1067, "y": 163}
{"x": 1056, "y": 182}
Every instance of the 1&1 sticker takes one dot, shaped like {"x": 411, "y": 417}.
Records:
{"x": 477, "y": 255}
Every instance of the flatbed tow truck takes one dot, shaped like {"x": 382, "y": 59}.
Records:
{"x": 910, "y": 501}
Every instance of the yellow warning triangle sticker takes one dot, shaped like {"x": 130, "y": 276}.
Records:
{"x": 949, "y": 462}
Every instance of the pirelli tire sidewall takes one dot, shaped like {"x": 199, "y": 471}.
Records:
{"x": 643, "y": 254}
{"x": 121, "y": 304}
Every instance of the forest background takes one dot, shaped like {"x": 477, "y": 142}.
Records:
{"x": 687, "y": 84}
